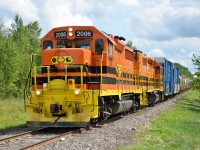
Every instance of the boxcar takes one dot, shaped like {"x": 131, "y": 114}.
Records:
{"x": 170, "y": 76}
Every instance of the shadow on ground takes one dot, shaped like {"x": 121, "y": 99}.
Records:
{"x": 193, "y": 105}
{"x": 14, "y": 128}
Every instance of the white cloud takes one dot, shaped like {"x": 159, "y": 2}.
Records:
{"x": 191, "y": 54}
{"x": 184, "y": 22}
{"x": 168, "y": 28}
{"x": 129, "y": 3}
{"x": 156, "y": 53}
{"x": 26, "y": 8}
{"x": 164, "y": 21}
{"x": 147, "y": 21}
{"x": 183, "y": 60}
{"x": 179, "y": 50}
{"x": 7, "y": 22}
{"x": 183, "y": 50}
{"x": 61, "y": 15}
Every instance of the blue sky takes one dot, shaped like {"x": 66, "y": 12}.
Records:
{"x": 167, "y": 28}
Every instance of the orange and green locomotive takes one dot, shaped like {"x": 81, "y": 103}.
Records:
{"x": 88, "y": 75}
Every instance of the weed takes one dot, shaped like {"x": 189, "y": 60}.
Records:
{"x": 11, "y": 113}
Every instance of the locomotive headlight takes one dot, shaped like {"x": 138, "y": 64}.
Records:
{"x": 70, "y": 34}
{"x": 38, "y": 92}
{"x": 44, "y": 85}
{"x": 77, "y": 91}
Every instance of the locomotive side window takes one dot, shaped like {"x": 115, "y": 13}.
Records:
{"x": 65, "y": 44}
{"x": 99, "y": 46}
{"x": 157, "y": 70}
{"x": 82, "y": 44}
{"x": 47, "y": 44}
{"x": 110, "y": 53}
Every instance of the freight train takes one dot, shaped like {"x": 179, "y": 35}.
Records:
{"x": 87, "y": 75}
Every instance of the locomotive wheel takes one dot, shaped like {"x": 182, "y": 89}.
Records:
{"x": 135, "y": 106}
{"x": 151, "y": 100}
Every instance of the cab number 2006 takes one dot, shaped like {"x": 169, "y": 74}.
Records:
{"x": 83, "y": 33}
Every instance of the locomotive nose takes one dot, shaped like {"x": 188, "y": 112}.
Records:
{"x": 60, "y": 57}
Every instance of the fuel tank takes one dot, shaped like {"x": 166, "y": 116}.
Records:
{"x": 121, "y": 106}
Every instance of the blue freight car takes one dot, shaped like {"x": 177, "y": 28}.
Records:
{"x": 176, "y": 80}
{"x": 170, "y": 76}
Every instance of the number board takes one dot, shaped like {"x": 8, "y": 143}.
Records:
{"x": 83, "y": 33}
{"x": 60, "y": 34}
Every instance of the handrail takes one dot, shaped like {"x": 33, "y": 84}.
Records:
{"x": 28, "y": 80}
{"x": 74, "y": 66}
{"x": 136, "y": 77}
{"x": 157, "y": 83}
{"x": 81, "y": 68}
{"x": 148, "y": 81}
{"x": 65, "y": 73}
{"x": 48, "y": 73}
{"x": 35, "y": 74}
{"x": 101, "y": 72}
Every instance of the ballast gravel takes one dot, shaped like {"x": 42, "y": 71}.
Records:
{"x": 109, "y": 136}
{"x": 115, "y": 134}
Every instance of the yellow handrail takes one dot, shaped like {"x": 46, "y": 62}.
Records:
{"x": 101, "y": 72}
{"x": 137, "y": 82}
{"x": 75, "y": 66}
{"x": 35, "y": 74}
{"x": 81, "y": 68}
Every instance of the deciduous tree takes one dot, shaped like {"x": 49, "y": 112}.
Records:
{"x": 16, "y": 46}
{"x": 196, "y": 82}
{"x": 130, "y": 44}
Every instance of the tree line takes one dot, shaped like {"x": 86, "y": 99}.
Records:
{"x": 17, "y": 43}
{"x": 184, "y": 71}
{"x": 196, "y": 81}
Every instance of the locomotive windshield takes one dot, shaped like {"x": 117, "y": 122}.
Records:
{"x": 74, "y": 44}
{"x": 82, "y": 44}
{"x": 48, "y": 44}
{"x": 66, "y": 43}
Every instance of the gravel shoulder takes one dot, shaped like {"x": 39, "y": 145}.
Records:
{"x": 110, "y": 136}
{"x": 115, "y": 134}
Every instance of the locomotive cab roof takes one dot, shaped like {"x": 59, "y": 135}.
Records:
{"x": 74, "y": 30}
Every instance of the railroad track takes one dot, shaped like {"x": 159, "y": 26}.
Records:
{"x": 35, "y": 139}
{"x": 20, "y": 135}
{"x": 37, "y": 136}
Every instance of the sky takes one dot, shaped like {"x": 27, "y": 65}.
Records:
{"x": 159, "y": 28}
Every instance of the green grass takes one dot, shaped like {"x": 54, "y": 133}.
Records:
{"x": 12, "y": 114}
{"x": 175, "y": 129}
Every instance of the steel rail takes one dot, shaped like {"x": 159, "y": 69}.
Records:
{"x": 48, "y": 141}
{"x": 21, "y": 135}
